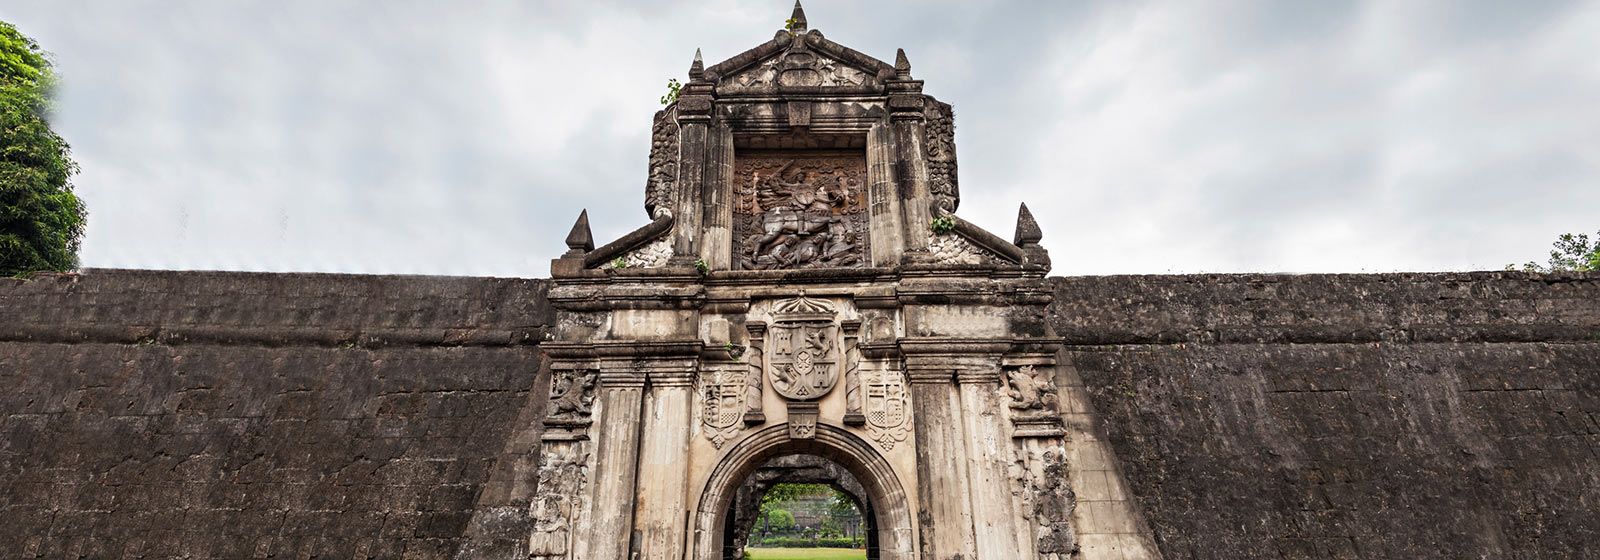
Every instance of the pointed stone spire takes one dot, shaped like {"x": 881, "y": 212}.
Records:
{"x": 580, "y": 240}
{"x": 1028, "y": 232}
{"x": 797, "y": 20}
{"x": 697, "y": 69}
{"x": 902, "y": 65}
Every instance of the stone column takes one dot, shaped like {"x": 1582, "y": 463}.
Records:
{"x": 610, "y": 519}
{"x": 694, "y": 121}
{"x": 907, "y": 121}
{"x": 661, "y": 520}
{"x": 885, "y": 229}
{"x": 988, "y": 454}
{"x": 717, "y": 242}
{"x": 941, "y": 465}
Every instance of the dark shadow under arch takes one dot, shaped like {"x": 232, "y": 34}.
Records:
{"x": 886, "y": 495}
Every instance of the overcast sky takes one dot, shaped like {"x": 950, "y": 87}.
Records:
{"x": 463, "y": 137}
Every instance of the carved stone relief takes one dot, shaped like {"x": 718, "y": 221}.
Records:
{"x": 804, "y": 358}
{"x": 799, "y": 211}
{"x": 1041, "y": 482}
{"x": 663, "y": 178}
{"x": 571, "y": 397}
{"x": 886, "y": 405}
{"x": 941, "y": 132}
{"x": 563, "y": 474}
{"x": 1032, "y": 390}
{"x": 722, "y": 403}
{"x": 796, "y": 68}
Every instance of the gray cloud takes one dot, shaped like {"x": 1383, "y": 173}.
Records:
{"x": 463, "y": 137}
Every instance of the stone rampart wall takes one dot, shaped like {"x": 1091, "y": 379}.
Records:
{"x": 199, "y": 414}
{"x": 1349, "y": 416}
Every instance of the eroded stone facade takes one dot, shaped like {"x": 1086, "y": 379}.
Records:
{"x": 814, "y": 295}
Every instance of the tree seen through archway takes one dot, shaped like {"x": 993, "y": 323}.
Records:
{"x": 805, "y": 521}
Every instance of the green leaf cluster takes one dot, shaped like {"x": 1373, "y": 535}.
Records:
{"x": 1569, "y": 253}
{"x": 41, "y": 220}
{"x": 674, "y": 89}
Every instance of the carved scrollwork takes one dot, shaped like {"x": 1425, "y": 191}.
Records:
{"x": 563, "y": 474}
{"x": 941, "y": 132}
{"x": 798, "y": 67}
{"x": 663, "y": 178}
{"x": 1040, "y": 475}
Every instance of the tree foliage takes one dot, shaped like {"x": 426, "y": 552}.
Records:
{"x": 41, "y": 220}
{"x": 1570, "y": 253}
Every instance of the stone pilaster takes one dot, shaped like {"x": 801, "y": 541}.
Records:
{"x": 942, "y": 469}
{"x": 695, "y": 146}
{"x": 988, "y": 453}
{"x": 717, "y": 243}
{"x": 610, "y": 519}
{"x": 664, "y": 452}
{"x": 907, "y": 122}
{"x": 886, "y": 227}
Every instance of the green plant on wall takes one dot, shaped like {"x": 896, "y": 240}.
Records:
{"x": 943, "y": 224}
{"x": 673, "y": 90}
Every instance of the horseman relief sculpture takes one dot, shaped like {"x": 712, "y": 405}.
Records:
{"x": 800, "y": 212}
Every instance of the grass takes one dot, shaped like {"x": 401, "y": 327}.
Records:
{"x": 806, "y": 554}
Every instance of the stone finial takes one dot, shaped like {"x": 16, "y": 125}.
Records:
{"x": 580, "y": 240}
{"x": 902, "y": 65}
{"x": 797, "y": 20}
{"x": 1028, "y": 232}
{"x": 697, "y": 69}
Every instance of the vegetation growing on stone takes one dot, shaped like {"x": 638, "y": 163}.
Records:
{"x": 673, "y": 90}
{"x": 41, "y": 220}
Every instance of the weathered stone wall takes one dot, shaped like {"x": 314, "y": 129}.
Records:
{"x": 1349, "y": 416}
{"x": 163, "y": 414}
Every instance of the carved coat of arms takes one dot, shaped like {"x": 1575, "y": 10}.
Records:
{"x": 887, "y": 405}
{"x": 723, "y": 396}
{"x": 803, "y": 359}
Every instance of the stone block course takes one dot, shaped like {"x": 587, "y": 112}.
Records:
{"x": 1349, "y": 416}
{"x": 223, "y": 415}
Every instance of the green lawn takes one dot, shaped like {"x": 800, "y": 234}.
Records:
{"x": 806, "y": 554}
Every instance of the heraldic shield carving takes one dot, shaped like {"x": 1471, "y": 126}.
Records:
{"x": 724, "y": 398}
{"x": 888, "y": 406}
{"x": 803, "y": 356}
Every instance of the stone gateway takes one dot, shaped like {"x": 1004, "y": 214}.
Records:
{"x": 802, "y": 304}
{"x": 820, "y": 300}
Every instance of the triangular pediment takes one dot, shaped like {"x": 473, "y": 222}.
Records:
{"x": 800, "y": 63}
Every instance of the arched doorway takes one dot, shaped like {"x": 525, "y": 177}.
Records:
{"x": 849, "y": 508}
{"x": 885, "y": 497}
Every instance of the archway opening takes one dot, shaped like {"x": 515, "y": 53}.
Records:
{"x": 800, "y": 501}
{"x": 881, "y": 498}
